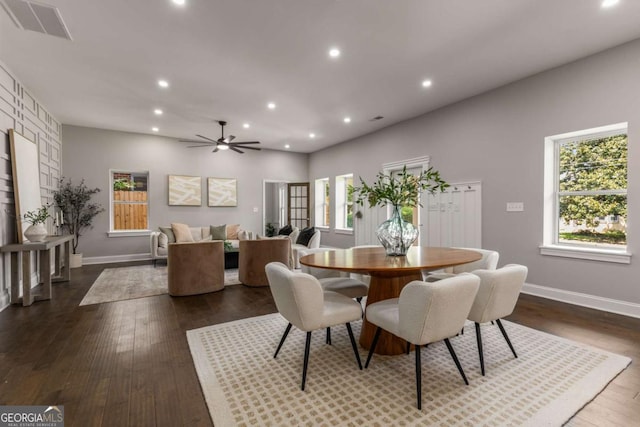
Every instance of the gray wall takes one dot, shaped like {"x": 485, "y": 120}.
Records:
{"x": 90, "y": 153}
{"x": 497, "y": 137}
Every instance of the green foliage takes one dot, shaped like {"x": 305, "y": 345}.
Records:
{"x": 400, "y": 190}
{"x": 599, "y": 164}
{"x": 406, "y": 212}
{"x": 270, "y": 229}
{"x": 39, "y": 216}
{"x": 612, "y": 237}
{"x": 123, "y": 184}
{"x": 78, "y": 212}
{"x": 227, "y": 246}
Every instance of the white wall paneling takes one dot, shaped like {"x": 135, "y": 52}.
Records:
{"x": 455, "y": 216}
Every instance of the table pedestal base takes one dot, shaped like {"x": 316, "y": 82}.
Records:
{"x": 385, "y": 286}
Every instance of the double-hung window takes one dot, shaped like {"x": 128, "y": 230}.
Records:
{"x": 344, "y": 202}
{"x": 129, "y": 202}
{"x": 585, "y": 207}
{"x": 322, "y": 207}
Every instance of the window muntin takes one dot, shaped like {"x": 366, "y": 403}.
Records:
{"x": 344, "y": 202}
{"x": 129, "y": 201}
{"x": 322, "y": 205}
{"x": 589, "y": 194}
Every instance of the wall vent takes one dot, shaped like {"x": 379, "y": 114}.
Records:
{"x": 38, "y": 17}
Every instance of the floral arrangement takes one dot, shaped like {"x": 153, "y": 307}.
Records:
{"x": 38, "y": 216}
{"x": 400, "y": 190}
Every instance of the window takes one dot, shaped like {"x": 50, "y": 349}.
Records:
{"x": 129, "y": 202}
{"x": 586, "y": 194}
{"x": 344, "y": 202}
{"x": 322, "y": 218}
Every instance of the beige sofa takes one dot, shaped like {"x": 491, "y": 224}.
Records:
{"x": 159, "y": 241}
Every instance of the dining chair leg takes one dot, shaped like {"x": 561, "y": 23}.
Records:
{"x": 455, "y": 359}
{"x": 306, "y": 359}
{"x": 373, "y": 346}
{"x": 479, "y": 338}
{"x": 504, "y": 334}
{"x": 284, "y": 337}
{"x": 328, "y": 340}
{"x": 408, "y": 347}
{"x": 418, "y": 377}
{"x": 353, "y": 344}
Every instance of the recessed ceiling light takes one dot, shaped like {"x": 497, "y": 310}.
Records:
{"x": 287, "y": 146}
{"x": 347, "y": 120}
{"x": 426, "y": 83}
{"x": 271, "y": 106}
{"x": 163, "y": 83}
{"x": 157, "y": 112}
{"x": 246, "y": 125}
{"x": 334, "y": 52}
{"x": 155, "y": 129}
{"x": 179, "y": 2}
{"x": 312, "y": 135}
{"x": 609, "y": 3}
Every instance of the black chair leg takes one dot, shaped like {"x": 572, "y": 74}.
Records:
{"x": 504, "y": 334}
{"x": 455, "y": 359}
{"x": 284, "y": 337}
{"x": 328, "y": 340}
{"x": 353, "y": 344}
{"x": 306, "y": 359}
{"x": 373, "y": 346}
{"x": 408, "y": 347}
{"x": 418, "y": 377}
{"x": 479, "y": 338}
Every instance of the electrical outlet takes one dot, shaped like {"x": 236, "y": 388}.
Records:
{"x": 515, "y": 206}
{"x": 255, "y": 209}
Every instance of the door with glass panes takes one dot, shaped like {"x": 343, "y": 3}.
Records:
{"x": 298, "y": 209}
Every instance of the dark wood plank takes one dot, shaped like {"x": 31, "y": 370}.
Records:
{"x": 127, "y": 363}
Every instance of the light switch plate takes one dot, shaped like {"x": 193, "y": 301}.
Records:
{"x": 515, "y": 206}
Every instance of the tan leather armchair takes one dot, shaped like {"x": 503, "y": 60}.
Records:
{"x": 195, "y": 268}
{"x": 256, "y": 254}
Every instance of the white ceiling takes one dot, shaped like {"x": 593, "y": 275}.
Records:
{"x": 225, "y": 59}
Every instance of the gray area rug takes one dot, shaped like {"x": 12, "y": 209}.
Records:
{"x": 243, "y": 384}
{"x": 117, "y": 284}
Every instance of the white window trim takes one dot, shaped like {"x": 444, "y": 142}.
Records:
{"x": 319, "y": 203}
{"x": 126, "y": 233}
{"x": 550, "y": 245}
{"x": 341, "y": 204}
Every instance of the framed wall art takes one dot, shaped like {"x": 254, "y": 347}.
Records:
{"x": 185, "y": 190}
{"x": 222, "y": 191}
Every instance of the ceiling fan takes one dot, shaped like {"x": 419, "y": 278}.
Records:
{"x": 222, "y": 143}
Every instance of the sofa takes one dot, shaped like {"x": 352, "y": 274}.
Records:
{"x": 297, "y": 244}
{"x": 159, "y": 240}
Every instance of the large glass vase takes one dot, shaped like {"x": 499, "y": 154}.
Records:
{"x": 396, "y": 234}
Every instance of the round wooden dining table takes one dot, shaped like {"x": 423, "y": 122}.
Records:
{"x": 389, "y": 274}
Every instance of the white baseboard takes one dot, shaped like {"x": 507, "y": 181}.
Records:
{"x": 115, "y": 258}
{"x": 585, "y": 300}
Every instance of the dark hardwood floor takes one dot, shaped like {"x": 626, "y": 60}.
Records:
{"x": 128, "y": 363}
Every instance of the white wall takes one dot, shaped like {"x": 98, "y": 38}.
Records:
{"x": 89, "y": 153}
{"x": 498, "y": 138}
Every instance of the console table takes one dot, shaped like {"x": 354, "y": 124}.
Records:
{"x": 21, "y": 262}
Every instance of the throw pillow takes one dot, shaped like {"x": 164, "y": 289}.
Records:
{"x": 163, "y": 240}
{"x": 182, "y": 232}
{"x": 168, "y": 231}
{"x": 285, "y": 231}
{"x": 218, "y": 232}
{"x": 232, "y": 231}
{"x": 305, "y": 236}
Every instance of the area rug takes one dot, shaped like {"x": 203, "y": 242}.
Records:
{"x": 243, "y": 384}
{"x": 117, "y": 284}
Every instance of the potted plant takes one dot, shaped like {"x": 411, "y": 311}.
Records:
{"x": 401, "y": 190}
{"x": 37, "y": 232}
{"x": 74, "y": 201}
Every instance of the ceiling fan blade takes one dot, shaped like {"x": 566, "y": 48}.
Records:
{"x": 208, "y": 139}
{"x": 195, "y": 141}
{"x": 215, "y": 150}
{"x": 236, "y": 150}
{"x": 249, "y": 148}
{"x": 230, "y": 138}
{"x": 200, "y": 146}
{"x": 247, "y": 142}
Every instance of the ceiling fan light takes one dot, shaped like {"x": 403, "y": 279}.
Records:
{"x": 223, "y": 147}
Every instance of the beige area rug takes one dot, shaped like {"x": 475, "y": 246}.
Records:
{"x": 243, "y": 384}
{"x": 117, "y": 284}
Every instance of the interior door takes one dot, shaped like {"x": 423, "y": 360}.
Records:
{"x": 298, "y": 206}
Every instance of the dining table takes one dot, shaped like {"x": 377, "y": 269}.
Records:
{"x": 389, "y": 274}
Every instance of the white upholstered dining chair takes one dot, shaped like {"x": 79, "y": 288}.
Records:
{"x": 489, "y": 261}
{"x": 497, "y": 297}
{"x": 425, "y": 313}
{"x": 301, "y": 300}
